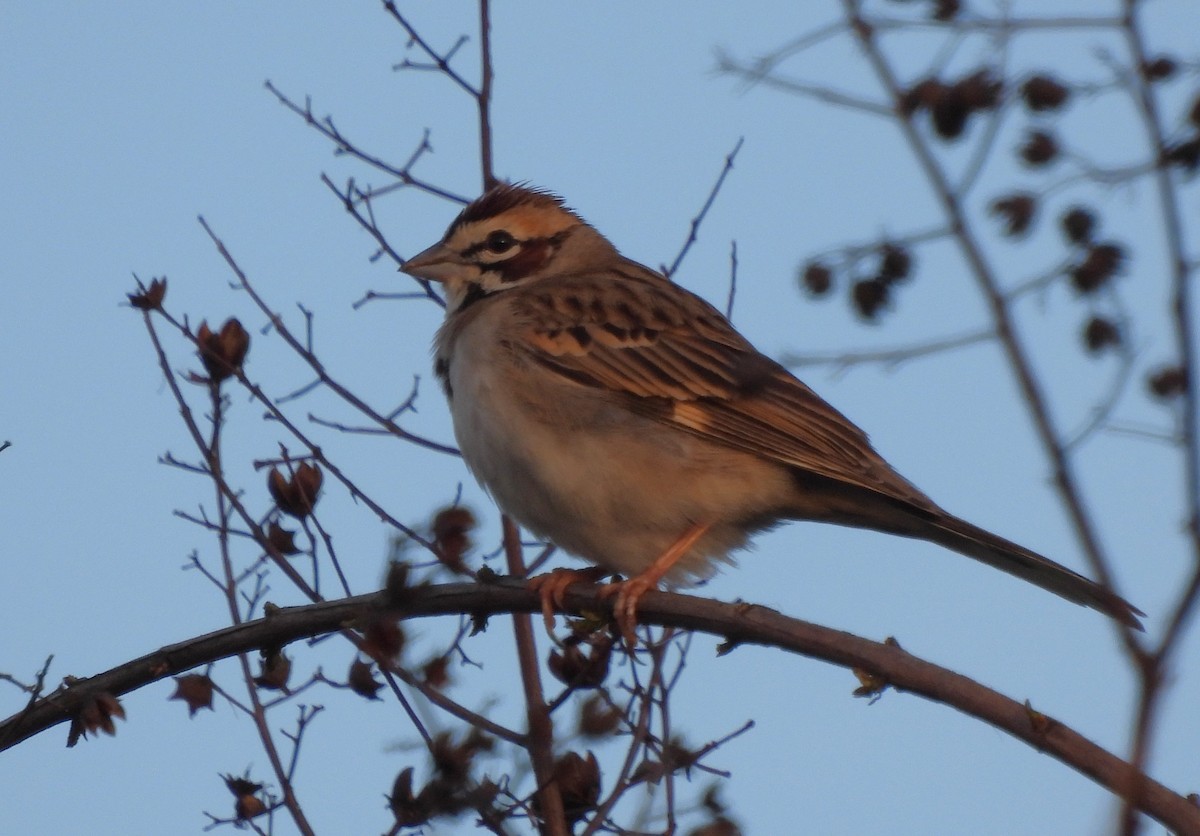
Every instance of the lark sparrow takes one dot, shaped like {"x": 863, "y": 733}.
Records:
{"x": 623, "y": 418}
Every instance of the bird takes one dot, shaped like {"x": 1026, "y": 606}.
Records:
{"x": 623, "y": 418}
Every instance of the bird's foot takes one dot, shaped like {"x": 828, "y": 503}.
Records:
{"x": 552, "y": 589}
{"x": 627, "y": 594}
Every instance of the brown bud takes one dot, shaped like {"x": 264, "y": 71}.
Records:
{"x": 362, "y": 681}
{"x": 1159, "y": 68}
{"x": 1040, "y": 148}
{"x": 1099, "y": 265}
{"x": 1167, "y": 382}
{"x": 1042, "y": 92}
{"x": 1016, "y": 210}
{"x": 194, "y": 689}
{"x": 1078, "y": 223}
{"x": 296, "y": 496}
{"x": 869, "y": 296}
{"x": 149, "y": 298}
{"x": 222, "y": 352}
{"x": 1100, "y": 333}
{"x": 816, "y": 278}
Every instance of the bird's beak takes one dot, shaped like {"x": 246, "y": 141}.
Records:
{"x": 438, "y": 263}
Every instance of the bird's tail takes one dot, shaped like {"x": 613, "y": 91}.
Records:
{"x": 964, "y": 538}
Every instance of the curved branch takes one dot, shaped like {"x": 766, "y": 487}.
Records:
{"x": 738, "y": 623}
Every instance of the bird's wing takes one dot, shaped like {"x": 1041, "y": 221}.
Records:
{"x": 675, "y": 359}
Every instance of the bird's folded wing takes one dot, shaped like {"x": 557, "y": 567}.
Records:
{"x": 676, "y": 360}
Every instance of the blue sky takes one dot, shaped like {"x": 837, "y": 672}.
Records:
{"x": 122, "y": 123}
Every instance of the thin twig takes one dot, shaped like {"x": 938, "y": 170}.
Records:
{"x": 694, "y": 228}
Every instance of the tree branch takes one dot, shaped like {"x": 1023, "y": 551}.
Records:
{"x": 738, "y": 623}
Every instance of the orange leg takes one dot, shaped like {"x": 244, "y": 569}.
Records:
{"x": 552, "y": 588}
{"x": 630, "y": 592}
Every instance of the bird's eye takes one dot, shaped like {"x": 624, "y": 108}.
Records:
{"x": 500, "y": 241}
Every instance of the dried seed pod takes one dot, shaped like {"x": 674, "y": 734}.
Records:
{"x": 296, "y": 496}
{"x": 1167, "y": 382}
{"x": 816, "y": 278}
{"x": 895, "y": 263}
{"x": 150, "y": 298}
{"x": 869, "y": 297}
{"x": 1016, "y": 210}
{"x": 222, "y": 352}
{"x": 1078, "y": 223}
{"x": 1160, "y": 68}
{"x": 195, "y": 690}
{"x": 1040, "y": 148}
{"x": 1043, "y": 92}
{"x": 362, "y": 681}
{"x": 1100, "y": 333}
{"x": 1100, "y": 263}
